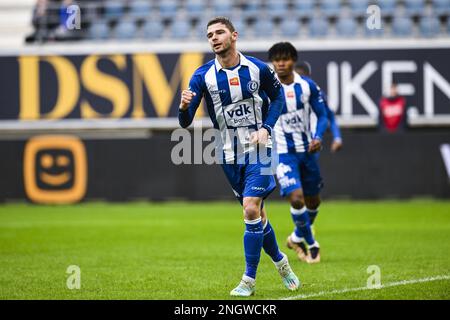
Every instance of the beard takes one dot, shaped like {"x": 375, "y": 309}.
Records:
{"x": 225, "y": 48}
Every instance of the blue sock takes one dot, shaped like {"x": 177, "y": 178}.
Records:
{"x": 303, "y": 227}
{"x": 253, "y": 242}
{"x": 270, "y": 244}
{"x": 312, "y": 213}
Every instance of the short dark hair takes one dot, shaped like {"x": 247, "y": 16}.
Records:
{"x": 223, "y": 20}
{"x": 283, "y": 50}
{"x": 305, "y": 67}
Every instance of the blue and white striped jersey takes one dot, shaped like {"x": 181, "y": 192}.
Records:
{"x": 240, "y": 99}
{"x": 293, "y": 131}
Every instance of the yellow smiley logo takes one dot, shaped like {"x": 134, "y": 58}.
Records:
{"x": 55, "y": 169}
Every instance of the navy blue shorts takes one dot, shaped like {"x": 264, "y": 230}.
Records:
{"x": 299, "y": 171}
{"x": 251, "y": 178}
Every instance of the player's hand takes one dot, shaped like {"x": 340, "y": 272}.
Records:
{"x": 336, "y": 145}
{"x": 186, "y": 98}
{"x": 315, "y": 145}
{"x": 261, "y": 136}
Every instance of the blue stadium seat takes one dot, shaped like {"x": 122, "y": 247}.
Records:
{"x": 414, "y": 7}
{"x": 290, "y": 28}
{"x": 140, "y": 9}
{"x": 263, "y": 28}
{"x": 441, "y": 7}
{"x": 330, "y": 8}
{"x": 251, "y": 9}
{"x": 359, "y": 7}
{"x": 387, "y": 7}
{"x": 346, "y": 27}
{"x": 125, "y": 30}
{"x": 448, "y": 26}
{"x": 168, "y": 9}
{"x": 152, "y": 29}
{"x": 240, "y": 27}
{"x": 318, "y": 27}
{"x": 222, "y": 7}
{"x": 195, "y": 8}
{"x": 99, "y": 30}
{"x": 429, "y": 26}
{"x": 180, "y": 29}
{"x": 304, "y": 8}
{"x": 402, "y": 26}
{"x": 114, "y": 10}
{"x": 277, "y": 9}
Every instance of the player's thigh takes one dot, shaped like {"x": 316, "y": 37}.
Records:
{"x": 311, "y": 177}
{"x": 288, "y": 174}
{"x": 258, "y": 180}
{"x": 235, "y": 177}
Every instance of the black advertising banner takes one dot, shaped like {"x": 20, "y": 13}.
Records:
{"x": 147, "y": 85}
{"x": 68, "y": 169}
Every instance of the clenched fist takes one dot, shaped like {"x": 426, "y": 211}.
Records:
{"x": 186, "y": 98}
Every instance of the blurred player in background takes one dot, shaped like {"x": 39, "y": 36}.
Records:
{"x": 303, "y": 68}
{"x": 237, "y": 89}
{"x": 298, "y": 171}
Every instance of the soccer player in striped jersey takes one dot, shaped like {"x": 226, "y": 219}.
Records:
{"x": 303, "y": 68}
{"x": 237, "y": 90}
{"x": 298, "y": 171}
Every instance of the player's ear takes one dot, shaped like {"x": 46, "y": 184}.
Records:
{"x": 234, "y": 35}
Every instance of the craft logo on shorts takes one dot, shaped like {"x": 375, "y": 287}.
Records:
{"x": 55, "y": 169}
{"x": 234, "y": 81}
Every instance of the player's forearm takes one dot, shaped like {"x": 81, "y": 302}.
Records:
{"x": 322, "y": 125}
{"x": 334, "y": 128}
{"x": 185, "y": 117}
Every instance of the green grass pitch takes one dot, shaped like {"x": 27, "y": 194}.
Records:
{"x": 194, "y": 250}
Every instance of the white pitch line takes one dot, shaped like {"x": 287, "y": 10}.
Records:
{"x": 387, "y": 285}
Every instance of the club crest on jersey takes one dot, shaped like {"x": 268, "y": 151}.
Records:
{"x": 252, "y": 86}
{"x": 303, "y": 99}
{"x": 290, "y": 94}
{"x": 234, "y": 81}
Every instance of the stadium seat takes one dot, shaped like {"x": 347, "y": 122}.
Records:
{"x": 290, "y": 28}
{"x": 277, "y": 9}
{"x": 152, "y": 29}
{"x": 441, "y": 7}
{"x": 195, "y": 8}
{"x": 251, "y": 9}
{"x": 222, "y": 7}
{"x": 402, "y": 27}
{"x": 359, "y": 7}
{"x": 125, "y": 30}
{"x": 330, "y": 8}
{"x": 318, "y": 27}
{"x": 304, "y": 8}
{"x": 114, "y": 10}
{"x": 240, "y": 26}
{"x": 140, "y": 9}
{"x": 346, "y": 27}
{"x": 99, "y": 30}
{"x": 180, "y": 29}
{"x": 429, "y": 26}
{"x": 414, "y": 7}
{"x": 387, "y": 7}
{"x": 167, "y": 9}
{"x": 263, "y": 28}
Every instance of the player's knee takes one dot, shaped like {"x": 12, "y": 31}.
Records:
{"x": 297, "y": 202}
{"x": 313, "y": 203}
{"x": 251, "y": 211}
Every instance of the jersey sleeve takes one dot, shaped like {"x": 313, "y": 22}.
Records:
{"x": 272, "y": 87}
{"x": 185, "y": 117}
{"x": 335, "y": 131}
{"x": 318, "y": 106}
